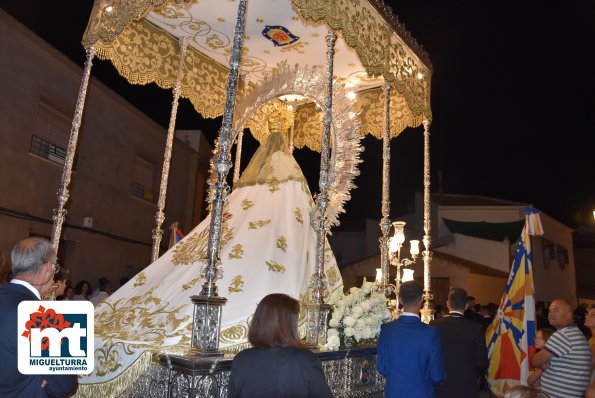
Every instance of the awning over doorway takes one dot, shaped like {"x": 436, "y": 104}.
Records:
{"x": 487, "y": 230}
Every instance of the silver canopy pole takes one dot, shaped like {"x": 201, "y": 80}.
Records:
{"x": 60, "y": 212}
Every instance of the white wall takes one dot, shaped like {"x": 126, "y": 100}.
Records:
{"x": 482, "y": 251}
{"x": 551, "y": 280}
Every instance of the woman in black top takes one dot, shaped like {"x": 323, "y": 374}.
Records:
{"x": 278, "y": 365}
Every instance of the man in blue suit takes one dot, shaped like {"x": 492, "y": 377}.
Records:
{"x": 409, "y": 351}
{"x": 33, "y": 267}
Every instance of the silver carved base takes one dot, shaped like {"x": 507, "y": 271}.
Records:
{"x": 316, "y": 324}
{"x": 206, "y": 324}
{"x": 349, "y": 373}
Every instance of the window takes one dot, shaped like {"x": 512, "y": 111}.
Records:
{"x": 142, "y": 183}
{"x": 51, "y": 134}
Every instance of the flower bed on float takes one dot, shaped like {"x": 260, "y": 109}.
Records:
{"x": 356, "y": 317}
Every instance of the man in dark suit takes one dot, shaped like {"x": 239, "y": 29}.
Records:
{"x": 33, "y": 266}
{"x": 470, "y": 310}
{"x": 465, "y": 351}
{"x": 409, "y": 351}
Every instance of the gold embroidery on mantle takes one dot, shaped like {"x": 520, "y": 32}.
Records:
{"x": 246, "y": 204}
{"x": 140, "y": 279}
{"x": 275, "y": 266}
{"x": 298, "y": 215}
{"x": 193, "y": 282}
{"x": 194, "y": 248}
{"x": 258, "y": 224}
{"x": 273, "y": 184}
{"x": 236, "y": 284}
{"x": 139, "y": 318}
{"x": 282, "y": 243}
{"x": 107, "y": 358}
{"x": 236, "y": 252}
{"x": 333, "y": 276}
{"x": 234, "y": 333}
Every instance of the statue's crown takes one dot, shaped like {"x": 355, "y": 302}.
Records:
{"x": 275, "y": 122}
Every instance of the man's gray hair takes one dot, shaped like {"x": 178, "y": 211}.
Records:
{"x": 30, "y": 254}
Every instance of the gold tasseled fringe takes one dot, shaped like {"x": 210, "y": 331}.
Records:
{"x": 234, "y": 349}
{"x": 116, "y": 386}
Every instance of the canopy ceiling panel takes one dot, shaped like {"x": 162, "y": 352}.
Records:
{"x": 141, "y": 38}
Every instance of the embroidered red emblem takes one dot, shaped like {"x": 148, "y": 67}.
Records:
{"x": 279, "y": 35}
{"x": 43, "y": 319}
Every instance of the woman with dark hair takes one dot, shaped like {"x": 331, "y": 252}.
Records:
{"x": 56, "y": 290}
{"x": 68, "y": 294}
{"x": 82, "y": 290}
{"x": 278, "y": 364}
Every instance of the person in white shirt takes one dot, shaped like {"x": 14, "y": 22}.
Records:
{"x": 105, "y": 289}
{"x": 566, "y": 357}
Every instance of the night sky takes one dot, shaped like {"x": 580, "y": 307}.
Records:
{"x": 513, "y": 100}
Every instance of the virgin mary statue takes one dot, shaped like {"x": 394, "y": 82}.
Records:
{"x": 267, "y": 246}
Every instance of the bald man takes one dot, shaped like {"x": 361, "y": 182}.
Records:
{"x": 566, "y": 358}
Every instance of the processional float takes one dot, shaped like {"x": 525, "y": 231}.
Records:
{"x": 340, "y": 69}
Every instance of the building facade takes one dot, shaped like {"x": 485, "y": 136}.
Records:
{"x": 474, "y": 240}
{"x": 117, "y": 169}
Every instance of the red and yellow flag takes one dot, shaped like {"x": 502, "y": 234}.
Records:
{"x": 510, "y": 336}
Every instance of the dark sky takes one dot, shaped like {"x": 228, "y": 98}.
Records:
{"x": 513, "y": 99}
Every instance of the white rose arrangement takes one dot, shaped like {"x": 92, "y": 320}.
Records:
{"x": 356, "y": 316}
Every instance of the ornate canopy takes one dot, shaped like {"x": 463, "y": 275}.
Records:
{"x": 141, "y": 38}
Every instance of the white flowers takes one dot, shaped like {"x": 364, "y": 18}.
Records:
{"x": 356, "y": 316}
{"x": 333, "y": 340}
{"x": 348, "y": 321}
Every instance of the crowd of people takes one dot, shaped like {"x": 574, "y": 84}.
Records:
{"x": 447, "y": 358}
{"x": 62, "y": 288}
{"x": 454, "y": 364}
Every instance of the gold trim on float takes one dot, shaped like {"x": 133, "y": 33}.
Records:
{"x": 370, "y": 107}
{"x": 116, "y": 386}
{"x": 379, "y": 48}
{"x": 144, "y": 54}
{"x": 383, "y": 47}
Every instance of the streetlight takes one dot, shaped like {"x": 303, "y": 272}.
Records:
{"x": 395, "y": 245}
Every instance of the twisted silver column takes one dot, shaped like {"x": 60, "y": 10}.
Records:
{"x": 60, "y": 212}
{"x": 385, "y": 223}
{"x": 223, "y": 159}
{"x": 426, "y": 311}
{"x": 322, "y": 197}
{"x": 206, "y": 323}
{"x": 317, "y": 310}
{"x": 169, "y": 142}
